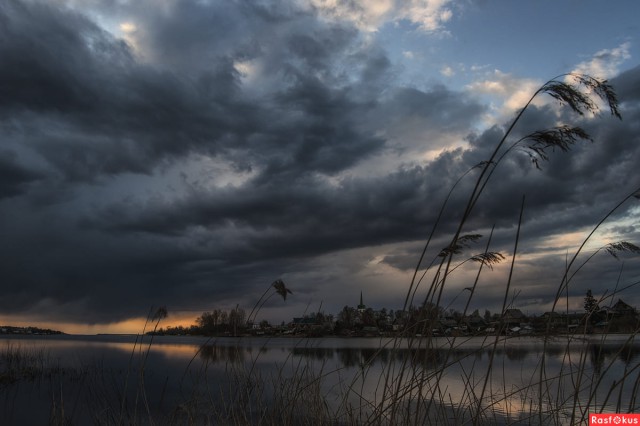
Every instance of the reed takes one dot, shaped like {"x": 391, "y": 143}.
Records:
{"x": 409, "y": 393}
{"x": 401, "y": 381}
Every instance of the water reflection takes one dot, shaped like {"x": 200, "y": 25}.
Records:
{"x": 518, "y": 384}
{"x": 177, "y": 370}
{"x": 430, "y": 358}
{"x": 225, "y": 354}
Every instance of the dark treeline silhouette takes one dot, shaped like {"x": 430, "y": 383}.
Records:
{"x": 427, "y": 320}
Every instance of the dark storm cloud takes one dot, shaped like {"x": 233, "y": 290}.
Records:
{"x": 301, "y": 217}
{"x": 42, "y": 54}
{"x": 14, "y": 178}
{"x": 92, "y": 99}
{"x": 439, "y": 107}
{"x": 592, "y": 175}
{"x": 572, "y": 193}
{"x": 112, "y": 114}
{"x": 95, "y": 223}
{"x": 79, "y": 102}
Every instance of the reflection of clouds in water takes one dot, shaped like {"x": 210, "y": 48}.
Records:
{"x": 513, "y": 384}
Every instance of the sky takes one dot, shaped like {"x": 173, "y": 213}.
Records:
{"x": 188, "y": 153}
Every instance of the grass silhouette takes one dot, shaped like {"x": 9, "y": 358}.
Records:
{"x": 406, "y": 392}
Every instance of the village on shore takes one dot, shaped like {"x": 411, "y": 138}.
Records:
{"x": 363, "y": 321}
{"x": 426, "y": 321}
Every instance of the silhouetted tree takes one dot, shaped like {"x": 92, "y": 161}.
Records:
{"x": 487, "y": 315}
{"x": 590, "y": 303}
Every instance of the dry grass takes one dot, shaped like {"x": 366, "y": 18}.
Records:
{"x": 403, "y": 381}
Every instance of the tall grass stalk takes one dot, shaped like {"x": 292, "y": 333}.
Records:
{"x": 403, "y": 380}
{"x": 566, "y": 89}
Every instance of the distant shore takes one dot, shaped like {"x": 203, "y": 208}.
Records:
{"x": 9, "y": 329}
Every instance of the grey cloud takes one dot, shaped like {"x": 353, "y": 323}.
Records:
{"x": 438, "y": 107}
{"x": 113, "y": 114}
{"x": 304, "y": 218}
{"x": 628, "y": 86}
{"x": 14, "y": 177}
{"x": 109, "y": 113}
{"x": 79, "y": 100}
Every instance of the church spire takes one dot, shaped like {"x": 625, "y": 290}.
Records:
{"x": 361, "y": 306}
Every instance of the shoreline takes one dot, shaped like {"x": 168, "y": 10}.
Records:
{"x": 380, "y": 342}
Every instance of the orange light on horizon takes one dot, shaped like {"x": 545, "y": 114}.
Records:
{"x": 129, "y": 326}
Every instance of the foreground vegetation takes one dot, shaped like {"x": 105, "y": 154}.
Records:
{"x": 406, "y": 392}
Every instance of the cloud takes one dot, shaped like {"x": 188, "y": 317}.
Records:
{"x": 605, "y": 63}
{"x": 127, "y": 214}
{"x": 508, "y": 91}
{"x": 447, "y": 71}
{"x": 428, "y": 15}
{"x": 225, "y": 145}
{"x": 15, "y": 178}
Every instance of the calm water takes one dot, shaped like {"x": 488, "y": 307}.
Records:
{"x": 92, "y": 379}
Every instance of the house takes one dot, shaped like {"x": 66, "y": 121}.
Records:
{"x": 619, "y": 318}
{"x": 475, "y": 322}
{"x": 623, "y": 309}
{"x": 513, "y": 318}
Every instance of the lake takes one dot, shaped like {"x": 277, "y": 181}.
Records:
{"x": 194, "y": 380}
